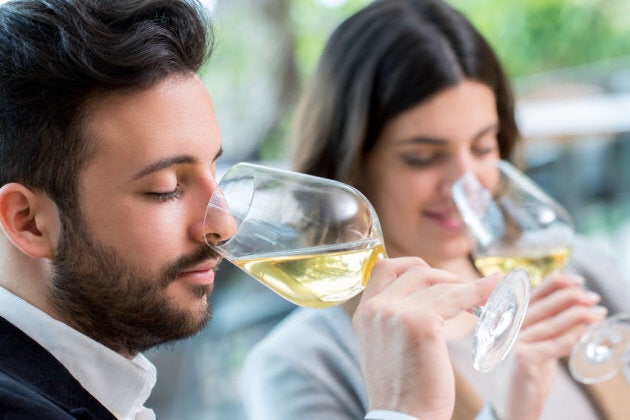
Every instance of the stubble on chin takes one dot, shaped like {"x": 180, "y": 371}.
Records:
{"x": 122, "y": 306}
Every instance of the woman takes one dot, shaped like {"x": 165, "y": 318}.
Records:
{"x": 406, "y": 98}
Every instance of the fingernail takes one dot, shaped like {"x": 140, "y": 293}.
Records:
{"x": 602, "y": 310}
{"x": 593, "y": 297}
{"x": 494, "y": 276}
{"x": 577, "y": 279}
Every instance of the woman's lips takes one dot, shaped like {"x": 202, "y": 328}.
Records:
{"x": 447, "y": 220}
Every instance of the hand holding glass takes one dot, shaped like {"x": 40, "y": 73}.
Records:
{"x": 314, "y": 241}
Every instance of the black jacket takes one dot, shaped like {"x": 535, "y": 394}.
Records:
{"x": 34, "y": 385}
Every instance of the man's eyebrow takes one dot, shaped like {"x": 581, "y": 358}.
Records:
{"x": 165, "y": 163}
{"x": 161, "y": 164}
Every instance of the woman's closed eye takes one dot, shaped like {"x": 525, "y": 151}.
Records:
{"x": 485, "y": 150}
{"x": 423, "y": 160}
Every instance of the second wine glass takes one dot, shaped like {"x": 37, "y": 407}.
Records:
{"x": 513, "y": 222}
{"x": 314, "y": 241}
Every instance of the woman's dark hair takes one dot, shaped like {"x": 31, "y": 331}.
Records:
{"x": 58, "y": 55}
{"x": 383, "y": 60}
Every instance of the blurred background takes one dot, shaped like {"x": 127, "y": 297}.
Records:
{"x": 570, "y": 64}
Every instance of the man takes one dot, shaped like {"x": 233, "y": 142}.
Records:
{"x": 108, "y": 145}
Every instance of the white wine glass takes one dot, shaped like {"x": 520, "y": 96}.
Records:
{"x": 513, "y": 222}
{"x": 311, "y": 240}
{"x": 516, "y": 224}
{"x": 603, "y": 351}
{"x": 314, "y": 241}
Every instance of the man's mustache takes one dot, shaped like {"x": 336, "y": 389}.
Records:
{"x": 187, "y": 262}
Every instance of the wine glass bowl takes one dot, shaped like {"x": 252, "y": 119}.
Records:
{"x": 312, "y": 240}
{"x": 513, "y": 223}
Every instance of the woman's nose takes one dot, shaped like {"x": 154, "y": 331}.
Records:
{"x": 455, "y": 171}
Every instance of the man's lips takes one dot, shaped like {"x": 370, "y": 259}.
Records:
{"x": 201, "y": 274}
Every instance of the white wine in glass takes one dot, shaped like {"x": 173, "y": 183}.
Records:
{"x": 314, "y": 241}
{"x": 513, "y": 222}
{"x": 316, "y": 278}
{"x": 537, "y": 263}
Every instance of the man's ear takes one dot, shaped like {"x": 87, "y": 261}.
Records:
{"x": 30, "y": 220}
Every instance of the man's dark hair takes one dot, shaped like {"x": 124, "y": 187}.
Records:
{"x": 58, "y": 55}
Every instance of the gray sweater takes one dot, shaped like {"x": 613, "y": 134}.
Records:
{"x": 307, "y": 367}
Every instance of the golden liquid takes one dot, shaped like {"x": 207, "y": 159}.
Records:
{"x": 537, "y": 265}
{"x": 317, "y": 279}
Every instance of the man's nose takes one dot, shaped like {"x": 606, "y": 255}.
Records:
{"x": 219, "y": 225}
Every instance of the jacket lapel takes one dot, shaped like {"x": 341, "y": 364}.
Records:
{"x": 21, "y": 357}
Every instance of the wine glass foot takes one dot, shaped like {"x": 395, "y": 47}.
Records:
{"x": 501, "y": 320}
{"x": 603, "y": 351}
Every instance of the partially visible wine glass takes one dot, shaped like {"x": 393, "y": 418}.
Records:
{"x": 516, "y": 224}
{"x": 314, "y": 241}
{"x": 603, "y": 351}
{"x": 513, "y": 223}
{"x": 311, "y": 240}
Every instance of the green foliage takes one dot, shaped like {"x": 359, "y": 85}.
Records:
{"x": 312, "y": 24}
{"x": 532, "y": 36}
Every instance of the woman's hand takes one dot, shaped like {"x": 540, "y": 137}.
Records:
{"x": 559, "y": 312}
{"x": 399, "y": 324}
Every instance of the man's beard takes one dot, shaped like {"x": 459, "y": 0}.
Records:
{"x": 120, "y": 305}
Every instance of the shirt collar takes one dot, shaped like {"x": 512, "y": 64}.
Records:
{"x": 119, "y": 384}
